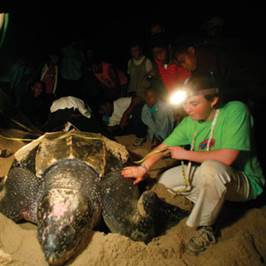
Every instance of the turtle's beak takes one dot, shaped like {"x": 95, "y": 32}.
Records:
{"x": 60, "y": 243}
{"x": 54, "y": 261}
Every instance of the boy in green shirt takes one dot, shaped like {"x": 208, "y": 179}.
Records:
{"x": 222, "y": 164}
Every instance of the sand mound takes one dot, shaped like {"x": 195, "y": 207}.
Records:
{"x": 242, "y": 238}
{"x": 243, "y": 243}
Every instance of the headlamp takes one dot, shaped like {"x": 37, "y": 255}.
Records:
{"x": 180, "y": 95}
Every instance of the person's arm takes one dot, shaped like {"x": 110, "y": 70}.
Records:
{"x": 225, "y": 156}
{"x": 138, "y": 172}
{"x": 177, "y": 137}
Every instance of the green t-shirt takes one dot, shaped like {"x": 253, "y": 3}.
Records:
{"x": 232, "y": 131}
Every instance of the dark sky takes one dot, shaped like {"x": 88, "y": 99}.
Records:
{"x": 59, "y": 21}
{"x": 46, "y": 25}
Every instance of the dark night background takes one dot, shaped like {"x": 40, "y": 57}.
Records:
{"x": 40, "y": 26}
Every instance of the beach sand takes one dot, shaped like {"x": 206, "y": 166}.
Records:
{"x": 242, "y": 239}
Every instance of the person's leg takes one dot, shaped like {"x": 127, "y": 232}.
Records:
{"x": 212, "y": 183}
{"x": 175, "y": 179}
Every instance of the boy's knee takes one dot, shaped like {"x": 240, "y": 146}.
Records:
{"x": 210, "y": 172}
{"x": 213, "y": 167}
{"x": 169, "y": 177}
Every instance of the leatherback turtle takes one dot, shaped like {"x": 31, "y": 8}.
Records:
{"x": 66, "y": 181}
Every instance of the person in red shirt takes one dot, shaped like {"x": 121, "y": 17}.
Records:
{"x": 169, "y": 72}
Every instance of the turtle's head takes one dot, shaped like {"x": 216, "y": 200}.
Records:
{"x": 67, "y": 211}
{"x": 65, "y": 222}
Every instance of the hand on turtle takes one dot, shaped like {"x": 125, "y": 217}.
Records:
{"x": 136, "y": 172}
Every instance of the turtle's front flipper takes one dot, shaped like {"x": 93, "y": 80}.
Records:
{"x": 20, "y": 195}
{"x": 119, "y": 202}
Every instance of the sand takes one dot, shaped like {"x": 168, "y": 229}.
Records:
{"x": 242, "y": 239}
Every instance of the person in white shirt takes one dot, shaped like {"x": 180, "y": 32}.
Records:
{"x": 123, "y": 116}
{"x": 72, "y": 110}
{"x": 69, "y": 102}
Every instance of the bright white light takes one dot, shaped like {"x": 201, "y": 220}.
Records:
{"x": 178, "y": 97}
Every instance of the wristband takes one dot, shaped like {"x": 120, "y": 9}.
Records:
{"x": 145, "y": 167}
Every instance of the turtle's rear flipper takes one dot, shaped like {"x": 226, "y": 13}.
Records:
{"x": 20, "y": 195}
{"x": 119, "y": 200}
{"x": 163, "y": 214}
{"x": 141, "y": 218}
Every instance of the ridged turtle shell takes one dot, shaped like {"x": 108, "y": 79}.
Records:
{"x": 92, "y": 148}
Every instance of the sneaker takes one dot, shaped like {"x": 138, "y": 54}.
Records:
{"x": 203, "y": 238}
{"x": 139, "y": 141}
